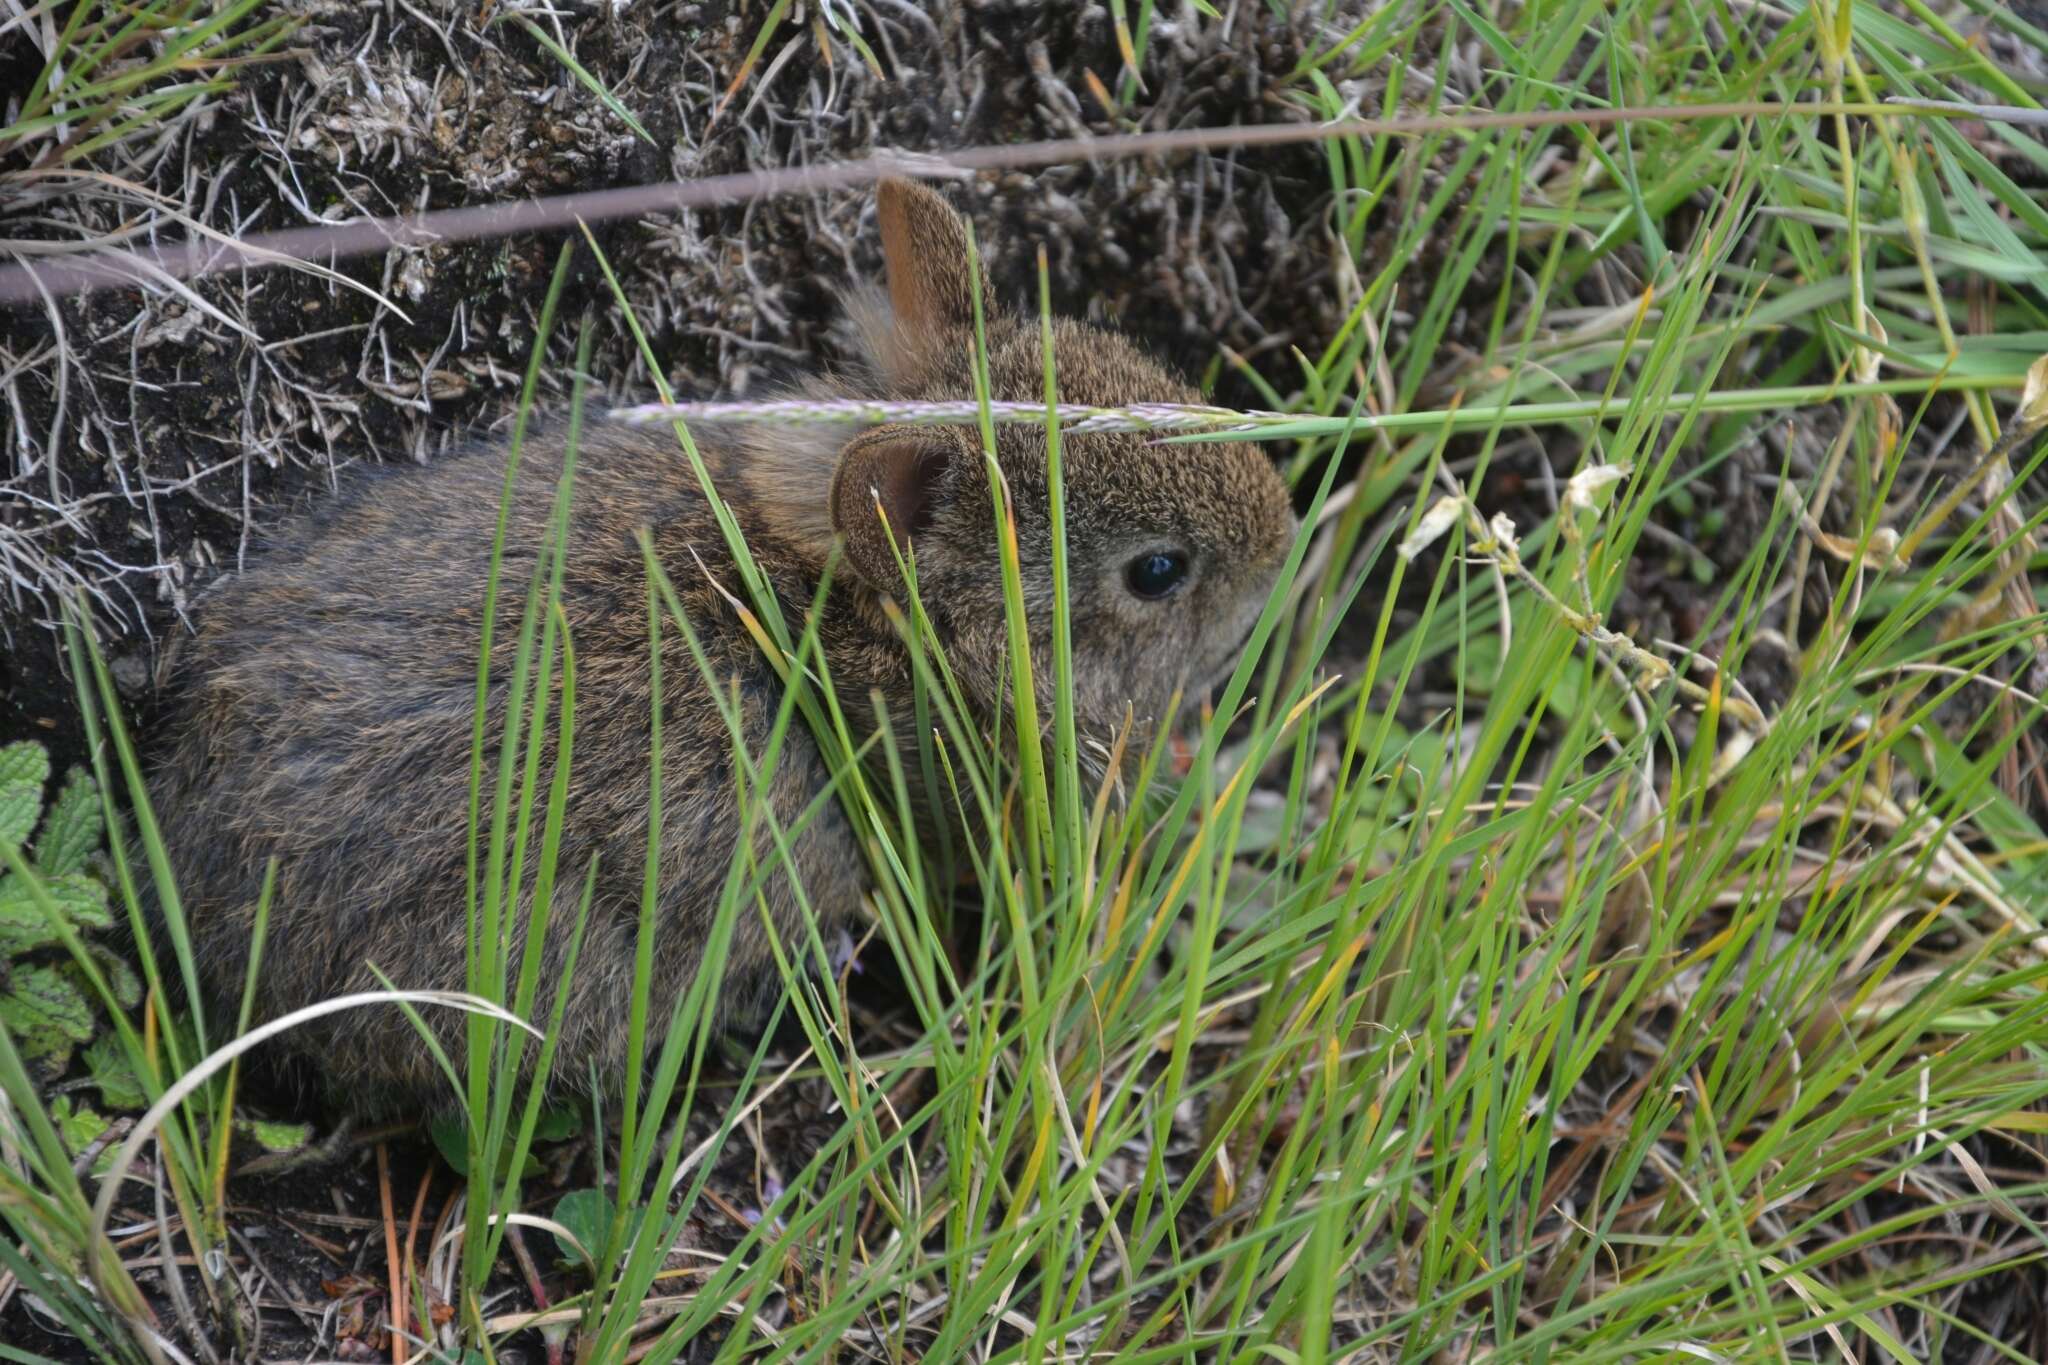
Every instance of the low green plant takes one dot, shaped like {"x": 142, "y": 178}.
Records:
{"x": 46, "y": 1001}
{"x": 56, "y": 990}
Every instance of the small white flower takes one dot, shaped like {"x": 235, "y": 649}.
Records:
{"x": 1587, "y": 490}
{"x": 2034, "y": 398}
{"x": 1503, "y": 528}
{"x": 1442, "y": 515}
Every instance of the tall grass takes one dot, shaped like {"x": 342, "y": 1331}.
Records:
{"x": 110, "y": 73}
{"x": 1495, "y": 983}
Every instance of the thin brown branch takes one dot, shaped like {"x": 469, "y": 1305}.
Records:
{"x": 330, "y": 242}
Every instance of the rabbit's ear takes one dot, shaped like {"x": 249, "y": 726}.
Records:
{"x": 924, "y": 243}
{"x": 888, "y": 486}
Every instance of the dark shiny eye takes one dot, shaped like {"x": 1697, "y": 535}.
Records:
{"x": 1156, "y": 574}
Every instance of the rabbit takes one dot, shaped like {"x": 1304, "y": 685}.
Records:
{"x": 322, "y": 712}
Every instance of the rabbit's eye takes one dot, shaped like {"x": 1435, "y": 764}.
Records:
{"x": 1157, "y": 573}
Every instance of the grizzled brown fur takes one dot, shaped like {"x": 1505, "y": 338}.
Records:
{"x": 326, "y": 705}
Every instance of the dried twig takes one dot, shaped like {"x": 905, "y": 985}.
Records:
{"x": 362, "y": 236}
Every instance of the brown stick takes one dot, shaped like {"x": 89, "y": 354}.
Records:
{"x": 412, "y": 1231}
{"x": 26, "y": 283}
{"x": 397, "y": 1313}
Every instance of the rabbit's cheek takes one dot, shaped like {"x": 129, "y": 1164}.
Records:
{"x": 1231, "y": 636}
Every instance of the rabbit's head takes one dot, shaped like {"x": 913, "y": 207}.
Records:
{"x": 1172, "y": 550}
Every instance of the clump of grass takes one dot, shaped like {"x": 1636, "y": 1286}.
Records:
{"x": 111, "y": 73}
{"x": 1500, "y": 978}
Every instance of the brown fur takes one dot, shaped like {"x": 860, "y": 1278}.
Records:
{"x": 326, "y": 704}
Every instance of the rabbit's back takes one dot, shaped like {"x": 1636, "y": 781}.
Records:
{"x": 325, "y": 718}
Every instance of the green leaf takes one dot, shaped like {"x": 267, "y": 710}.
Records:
{"x": 45, "y": 1011}
{"x": 274, "y": 1136}
{"x": 120, "y": 975}
{"x": 1263, "y": 827}
{"x": 452, "y": 1142}
{"x": 24, "y": 769}
{"x": 23, "y": 923}
{"x": 587, "y": 1214}
{"x": 82, "y": 899}
{"x": 552, "y": 1125}
{"x": 24, "y": 761}
{"x": 451, "y": 1139}
{"x": 107, "y": 1064}
{"x": 80, "y": 1127}
{"x": 73, "y": 829}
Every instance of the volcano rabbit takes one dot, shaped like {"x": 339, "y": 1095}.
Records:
{"x": 323, "y": 712}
